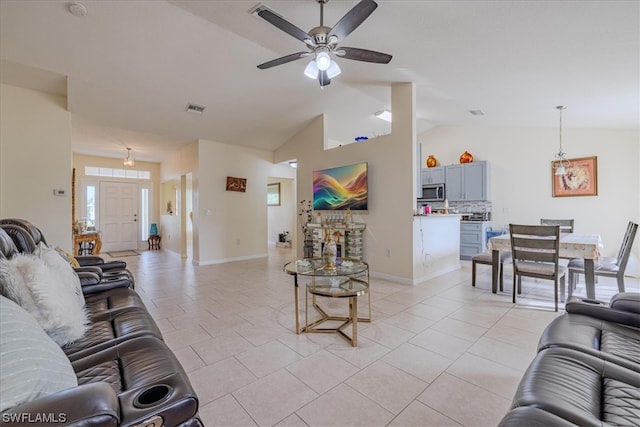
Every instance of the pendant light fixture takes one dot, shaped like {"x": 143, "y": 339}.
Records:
{"x": 562, "y": 163}
{"x": 129, "y": 161}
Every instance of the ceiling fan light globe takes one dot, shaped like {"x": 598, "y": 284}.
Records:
{"x": 311, "y": 70}
{"x": 323, "y": 61}
{"x": 333, "y": 70}
{"x": 560, "y": 170}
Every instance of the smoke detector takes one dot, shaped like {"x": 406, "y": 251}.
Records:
{"x": 77, "y": 9}
{"x": 195, "y": 109}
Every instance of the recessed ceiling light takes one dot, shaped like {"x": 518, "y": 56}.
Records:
{"x": 476, "y": 112}
{"x": 77, "y": 9}
{"x": 384, "y": 115}
{"x": 195, "y": 108}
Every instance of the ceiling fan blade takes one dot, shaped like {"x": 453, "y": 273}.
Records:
{"x": 352, "y": 19}
{"x": 283, "y": 60}
{"x": 365, "y": 55}
{"x": 323, "y": 79}
{"x": 284, "y": 25}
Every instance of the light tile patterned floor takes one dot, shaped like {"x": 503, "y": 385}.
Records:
{"x": 439, "y": 354}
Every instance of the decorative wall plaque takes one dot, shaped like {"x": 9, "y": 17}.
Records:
{"x": 236, "y": 184}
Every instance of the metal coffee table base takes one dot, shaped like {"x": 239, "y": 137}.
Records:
{"x": 352, "y": 319}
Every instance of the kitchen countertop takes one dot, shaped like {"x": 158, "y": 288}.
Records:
{"x": 436, "y": 215}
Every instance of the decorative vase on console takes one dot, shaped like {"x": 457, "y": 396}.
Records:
{"x": 329, "y": 254}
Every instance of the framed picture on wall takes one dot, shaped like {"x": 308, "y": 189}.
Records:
{"x": 236, "y": 184}
{"x": 273, "y": 194}
{"x": 580, "y": 179}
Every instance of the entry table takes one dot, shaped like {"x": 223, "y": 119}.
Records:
{"x": 349, "y": 279}
{"x": 90, "y": 237}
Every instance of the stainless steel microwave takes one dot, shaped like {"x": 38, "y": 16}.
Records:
{"x": 432, "y": 193}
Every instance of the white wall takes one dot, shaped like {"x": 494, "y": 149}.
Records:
{"x": 35, "y": 159}
{"x": 282, "y": 218}
{"x": 184, "y": 161}
{"x": 237, "y": 226}
{"x": 391, "y": 164}
{"x": 521, "y": 178}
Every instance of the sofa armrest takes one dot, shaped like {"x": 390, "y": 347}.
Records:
{"x": 84, "y": 260}
{"x": 626, "y": 301}
{"x": 113, "y": 265}
{"x": 87, "y": 279}
{"x": 106, "y": 284}
{"x": 93, "y": 404}
{"x": 89, "y": 269}
{"x": 603, "y": 311}
{"x": 92, "y": 260}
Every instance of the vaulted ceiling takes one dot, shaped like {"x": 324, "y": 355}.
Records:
{"x": 129, "y": 68}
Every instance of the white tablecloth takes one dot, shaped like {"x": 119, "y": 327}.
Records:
{"x": 572, "y": 245}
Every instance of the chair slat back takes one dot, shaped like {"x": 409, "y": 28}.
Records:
{"x": 627, "y": 243}
{"x": 538, "y": 243}
{"x": 566, "y": 225}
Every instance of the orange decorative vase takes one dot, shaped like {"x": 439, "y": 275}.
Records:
{"x": 466, "y": 157}
{"x": 431, "y": 161}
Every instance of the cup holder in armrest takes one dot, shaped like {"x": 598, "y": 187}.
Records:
{"x": 152, "y": 396}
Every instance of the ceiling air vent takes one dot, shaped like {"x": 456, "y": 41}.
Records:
{"x": 195, "y": 109}
{"x": 260, "y": 7}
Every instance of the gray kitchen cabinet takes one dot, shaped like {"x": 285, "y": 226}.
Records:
{"x": 434, "y": 175}
{"x": 473, "y": 238}
{"x": 467, "y": 181}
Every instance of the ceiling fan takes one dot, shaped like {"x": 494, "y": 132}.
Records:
{"x": 322, "y": 42}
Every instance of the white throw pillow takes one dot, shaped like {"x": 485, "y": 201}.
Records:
{"x": 43, "y": 292}
{"x": 65, "y": 271}
{"x": 31, "y": 364}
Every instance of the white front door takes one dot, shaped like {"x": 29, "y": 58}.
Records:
{"x": 119, "y": 216}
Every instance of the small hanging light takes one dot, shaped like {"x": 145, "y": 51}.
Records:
{"x": 562, "y": 162}
{"x": 129, "y": 161}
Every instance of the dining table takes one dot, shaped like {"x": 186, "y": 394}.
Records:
{"x": 572, "y": 245}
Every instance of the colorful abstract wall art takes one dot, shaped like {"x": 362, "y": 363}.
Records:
{"x": 341, "y": 188}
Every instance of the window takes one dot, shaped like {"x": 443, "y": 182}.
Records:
{"x": 273, "y": 194}
{"x": 144, "y": 213}
{"x": 116, "y": 173}
{"x": 91, "y": 207}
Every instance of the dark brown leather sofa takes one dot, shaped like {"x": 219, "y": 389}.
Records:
{"x": 126, "y": 374}
{"x": 114, "y": 273}
{"x": 587, "y": 370}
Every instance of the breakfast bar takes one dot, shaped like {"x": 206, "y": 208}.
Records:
{"x": 436, "y": 245}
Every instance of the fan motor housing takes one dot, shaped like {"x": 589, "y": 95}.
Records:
{"x": 319, "y": 34}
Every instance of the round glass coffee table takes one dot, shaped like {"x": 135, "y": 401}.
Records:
{"x": 348, "y": 279}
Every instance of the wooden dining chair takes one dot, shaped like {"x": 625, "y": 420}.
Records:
{"x": 566, "y": 225}
{"x": 486, "y": 258}
{"x": 535, "y": 250}
{"x": 606, "y": 266}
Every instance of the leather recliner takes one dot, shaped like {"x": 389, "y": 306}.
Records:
{"x": 587, "y": 370}
{"x": 111, "y": 267}
{"x": 126, "y": 375}
{"x": 92, "y": 278}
